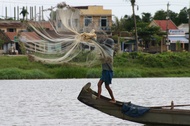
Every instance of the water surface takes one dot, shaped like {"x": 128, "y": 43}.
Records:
{"x": 54, "y": 102}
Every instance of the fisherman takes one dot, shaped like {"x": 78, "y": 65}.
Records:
{"x": 106, "y": 59}
{"x": 107, "y": 69}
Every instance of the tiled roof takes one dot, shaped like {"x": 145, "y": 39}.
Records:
{"x": 11, "y": 35}
{"x": 163, "y": 24}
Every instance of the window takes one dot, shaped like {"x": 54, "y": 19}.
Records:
{"x": 11, "y": 29}
{"x": 87, "y": 20}
{"x": 103, "y": 21}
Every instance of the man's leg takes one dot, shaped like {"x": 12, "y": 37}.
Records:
{"x": 99, "y": 88}
{"x": 110, "y": 92}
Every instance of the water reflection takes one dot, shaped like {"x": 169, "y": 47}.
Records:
{"x": 54, "y": 102}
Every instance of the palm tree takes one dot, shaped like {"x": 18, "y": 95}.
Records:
{"x": 24, "y": 12}
{"x": 134, "y": 17}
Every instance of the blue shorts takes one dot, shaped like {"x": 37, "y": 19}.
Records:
{"x": 107, "y": 76}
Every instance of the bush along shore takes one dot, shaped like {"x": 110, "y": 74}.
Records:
{"x": 126, "y": 65}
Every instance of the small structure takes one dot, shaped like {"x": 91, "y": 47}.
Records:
{"x": 175, "y": 39}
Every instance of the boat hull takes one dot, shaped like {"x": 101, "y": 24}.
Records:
{"x": 155, "y": 116}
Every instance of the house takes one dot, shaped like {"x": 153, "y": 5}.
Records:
{"x": 11, "y": 26}
{"x": 163, "y": 24}
{"x": 175, "y": 39}
{"x": 184, "y": 27}
{"x": 10, "y": 30}
{"x": 84, "y": 19}
{"x": 98, "y": 16}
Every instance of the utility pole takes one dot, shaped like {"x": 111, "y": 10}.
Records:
{"x": 167, "y": 29}
{"x": 189, "y": 26}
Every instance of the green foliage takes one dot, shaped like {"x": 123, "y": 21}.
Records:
{"x": 130, "y": 65}
{"x": 160, "y": 15}
{"x": 93, "y": 73}
{"x": 15, "y": 73}
{"x": 23, "y": 49}
{"x": 146, "y": 17}
{"x": 1, "y": 43}
{"x": 70, "y": 72}
{"x": 123, "y": 73}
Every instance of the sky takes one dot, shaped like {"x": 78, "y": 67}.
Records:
{"x": 119, "y": 8}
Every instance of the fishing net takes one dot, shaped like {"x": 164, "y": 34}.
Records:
{"x": 65, "y": 43}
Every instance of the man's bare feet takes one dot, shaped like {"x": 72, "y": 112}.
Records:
{"x": 113, "y": 101}
{"x": 94, "y": 96}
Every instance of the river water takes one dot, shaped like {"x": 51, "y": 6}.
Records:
{"x": 54, "y": 102}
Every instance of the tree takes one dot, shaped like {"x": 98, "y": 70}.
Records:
{"x": 148, "y": 34}
{"x": 174, "y": 17}
{"x": 1, "y": 43}
{"x": 160, "y": 15}
{"x": 127, "y": 23}
{"x": 146, "y": 17}
{"x": 24, "y": 12}
{"x": 183, "y": 16}
{"x": 117, "y": 26}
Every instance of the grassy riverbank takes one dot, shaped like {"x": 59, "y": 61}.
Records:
{"x": 126, "y": 65}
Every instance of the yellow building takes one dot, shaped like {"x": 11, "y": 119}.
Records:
{"x": 83, "y": 19}
{"x": 95, "y": 16}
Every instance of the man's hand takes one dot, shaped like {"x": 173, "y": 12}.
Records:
{"x": 88, "y": 36}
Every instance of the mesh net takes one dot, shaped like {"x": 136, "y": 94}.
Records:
{"x": 64, "y": 43}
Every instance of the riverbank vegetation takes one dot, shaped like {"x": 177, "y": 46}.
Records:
{"x": 126, "y": 65}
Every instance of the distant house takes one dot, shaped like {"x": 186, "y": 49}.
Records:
{"x": 176, "y": 39}
{"x": 85, "y": 18}
{"x": 184, "y": 27}
{"x": 98, "y": 16}
{"x": 11, "y": 26}
{"x": 163, "y": 24}
{"x": 10, "y": 29}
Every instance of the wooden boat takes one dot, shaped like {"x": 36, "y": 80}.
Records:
{"x": 158, "y": 115}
